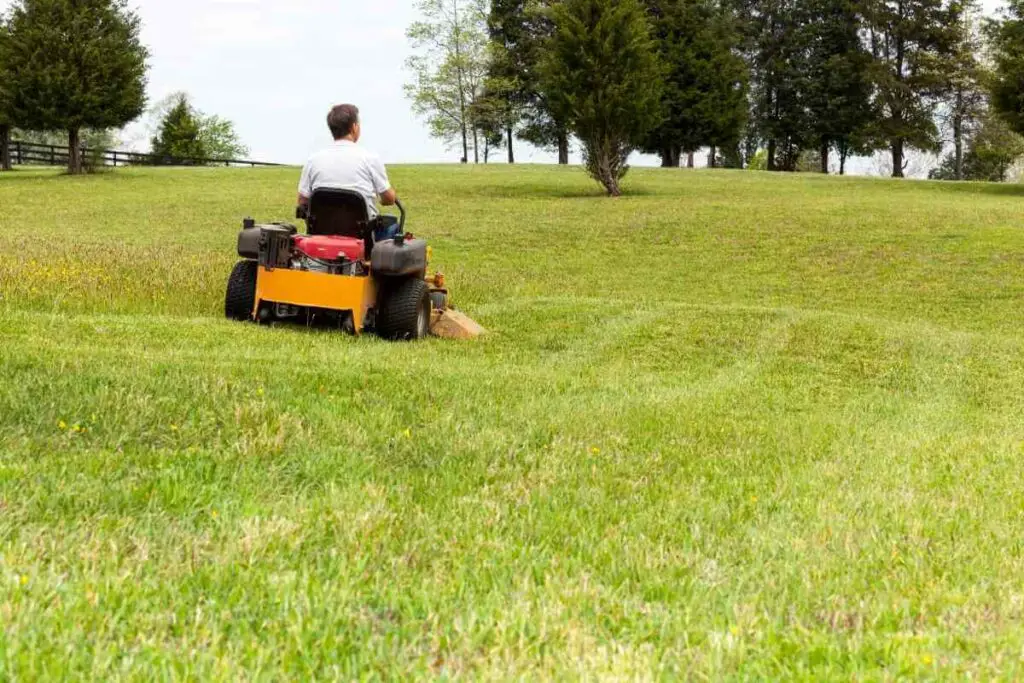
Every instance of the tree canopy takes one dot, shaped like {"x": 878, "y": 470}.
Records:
{"x": 74, "y": 64}
{"x": 601, "y": 70}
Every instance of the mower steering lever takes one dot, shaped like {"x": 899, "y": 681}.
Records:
{"x": 401, "y": 216}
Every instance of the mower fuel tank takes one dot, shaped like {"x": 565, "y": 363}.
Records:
{"x": 330, "y": 247}
{"x": 399, "y": 257}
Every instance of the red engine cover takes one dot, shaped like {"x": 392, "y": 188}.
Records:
{"x": 331, "y": 247}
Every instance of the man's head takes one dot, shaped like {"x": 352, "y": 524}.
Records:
{"x": 343, "y": 121}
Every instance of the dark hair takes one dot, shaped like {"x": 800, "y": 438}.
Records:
{"x": 342, "y": 119}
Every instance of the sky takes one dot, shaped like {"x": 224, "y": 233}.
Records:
{"x": 275, "y": 67}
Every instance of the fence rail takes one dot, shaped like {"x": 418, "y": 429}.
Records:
{"x": 23, "y": 153}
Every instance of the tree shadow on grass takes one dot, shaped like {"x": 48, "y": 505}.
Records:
{"x": 533, "y": 191}
{"x": 991, "y": 189}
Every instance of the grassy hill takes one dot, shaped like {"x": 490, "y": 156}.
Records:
{"x": 731, "y": 425}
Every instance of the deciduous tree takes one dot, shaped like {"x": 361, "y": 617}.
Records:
{"x": 911, "y": 42}
{"x": 449, "y": 68}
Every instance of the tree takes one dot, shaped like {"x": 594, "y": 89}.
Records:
{"x": 180, "y": 134}
{"x": 450, "y": 68}
{"x": 838, "y": 85}
{"x": 965, "y": 98}
{"x": 911, "y": 42}
{"x": 183, "y": 132}
{"x": 75, "y": 64}
{"x": 519, "y": 30}
{"x": 779, "y": 65}
{"x": 5, "y": 119}
{"x": 1007, "y": 85}
{"x": 219, "y": 137}
{"x": 704, "y": 99}
{"x": 991, "y": 151}
{"x": 601, "y": 68}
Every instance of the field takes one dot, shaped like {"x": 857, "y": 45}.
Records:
{"x": 730, "y": 426}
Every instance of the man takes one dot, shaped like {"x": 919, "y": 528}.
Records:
{"x": 347, "y": 166}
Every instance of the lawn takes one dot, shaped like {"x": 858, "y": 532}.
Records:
{"x": 730, "y": 426}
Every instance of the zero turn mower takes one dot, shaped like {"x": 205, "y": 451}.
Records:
{"x": 339, "y": 274}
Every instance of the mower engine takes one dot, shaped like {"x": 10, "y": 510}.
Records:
{"x": 328, "y": 254}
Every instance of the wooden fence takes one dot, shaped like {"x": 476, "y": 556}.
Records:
{"x": 23, "y": 153}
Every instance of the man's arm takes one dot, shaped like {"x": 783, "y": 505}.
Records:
{"x": 381, "y": 184}
{"x": 305, "y": 185}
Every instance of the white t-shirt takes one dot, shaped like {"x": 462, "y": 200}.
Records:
{"x": 346, "y": 166}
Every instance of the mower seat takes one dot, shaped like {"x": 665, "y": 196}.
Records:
{"x": 338, "y": 212}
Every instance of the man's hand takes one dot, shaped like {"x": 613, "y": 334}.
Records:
{"x": 388, "y": 197}
{"x": 303, "y": 201}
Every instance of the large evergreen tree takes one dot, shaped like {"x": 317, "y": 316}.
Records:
{"x": 704, "y": 98}
{"x": 838, "y": 84}
{"x": 1007, "y": 40}
{"x": 601, "y": 67}
{"x": 75, "y": 64}
{"x": 5, "y": 105}
{"x": 779, "y": 64}
{"x": 180, "y": 134}
{"x": 912, "y": 43}
{"x": 519, "y": 30}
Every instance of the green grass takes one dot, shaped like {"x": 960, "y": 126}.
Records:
{"x": 731, "y": 426}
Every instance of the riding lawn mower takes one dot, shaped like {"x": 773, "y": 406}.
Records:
{"x": 342, "y": 273}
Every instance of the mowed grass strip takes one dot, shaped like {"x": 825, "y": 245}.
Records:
{"x": 730, "y": 426}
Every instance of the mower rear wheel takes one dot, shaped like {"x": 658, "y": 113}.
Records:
{"x": 241, "y": 294}
{"x": 403, "y": 311}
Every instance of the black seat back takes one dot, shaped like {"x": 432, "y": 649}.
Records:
{"x": 338, "y": 212}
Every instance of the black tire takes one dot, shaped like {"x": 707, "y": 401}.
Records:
{"x": 403, "y": 310}
{"x": 241, "y": 294}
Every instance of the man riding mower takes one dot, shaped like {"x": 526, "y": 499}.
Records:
{"x": 337, "y": 273}
{"x": 354, "y": 268}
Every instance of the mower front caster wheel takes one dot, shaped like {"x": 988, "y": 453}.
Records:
{"x": 403, "y": 311}
{"x": 241, "y": 294}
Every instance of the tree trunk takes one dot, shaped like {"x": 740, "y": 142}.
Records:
{"x": 771, "y": 155}
{"x": 667, "y": 158}
{"x": 74, "y": 152}
{"x": 897, "y": 158}
{"x": 690, "y": 161}
{"x": 824, "y": 155}
{"x": 958, "y": 138}
{"x": 563, "y": 148}
{"x": 713, "y": 157}
{"x": 5, "y": 147}
{"x": 842, "y": 161}
{"x": 511, "y": 150}
{"x": 476, "y": 146}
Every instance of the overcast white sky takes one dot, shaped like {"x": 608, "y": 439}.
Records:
{"x": 275, "y": 67}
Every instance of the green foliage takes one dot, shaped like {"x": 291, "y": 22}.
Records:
{"x": 602, "y": 73}
{"x": 839, "y": 86}
{"x": 518, "y": 30}
{"x": 449, "y": 69}
{"x": 1007, "y": 85}
{"x": 185, "y": 133}
{"x": 913, "y": 46}
{"x": 780, "y": 70}
{"x": 992, "y": 150}
{"x": 179, "y": 136}
{"x": 74, "y": 64}
{"x": 704, "y": 99}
